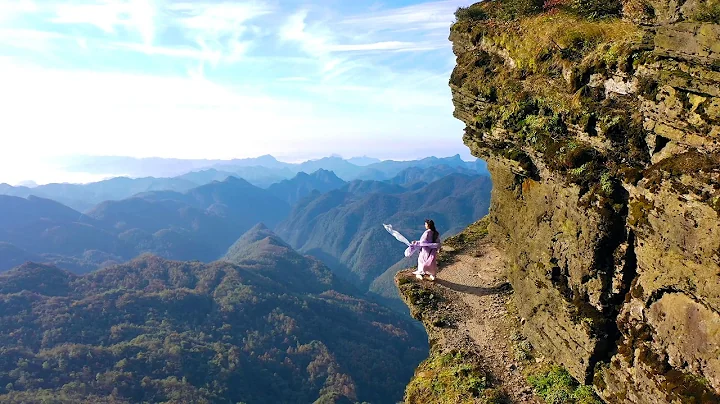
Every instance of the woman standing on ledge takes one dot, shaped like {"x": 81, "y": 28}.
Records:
{"x": 427, "y": 260}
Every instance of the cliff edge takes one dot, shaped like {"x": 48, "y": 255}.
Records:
{"x": 600, "y": 123}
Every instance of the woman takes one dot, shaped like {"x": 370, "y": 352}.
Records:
{"x": 427, "y": 260}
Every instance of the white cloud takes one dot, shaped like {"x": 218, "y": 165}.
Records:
{"x": 133, "y": 15}
{"x": 296, "y": 79}
{"x": 9, "y": 10}
{"x": 318, "y": 40}
{"x": 178, "y": 51}
{"x": 436, "y": 15}
{"x": 218, "y": 18}
{"x": 217, "y": 31}
{"x": 10, "y": 36}
{"x": 218, "y": 28}
{"x": 87, "y": 112}
{"x": 296, "y": 29}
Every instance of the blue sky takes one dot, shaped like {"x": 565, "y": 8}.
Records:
{"x": 224, "y": 79}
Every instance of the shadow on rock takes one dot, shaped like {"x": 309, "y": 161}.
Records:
{"x": 504, "y": 287}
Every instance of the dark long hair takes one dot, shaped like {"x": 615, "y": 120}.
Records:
{"x": 431, "y": 226}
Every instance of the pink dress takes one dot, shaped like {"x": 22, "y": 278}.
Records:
{"x": 427, "y": 260}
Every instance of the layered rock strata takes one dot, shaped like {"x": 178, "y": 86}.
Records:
{"x": 603, "y": 140}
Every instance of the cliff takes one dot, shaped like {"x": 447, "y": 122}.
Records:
{"x": 600, "y": 122}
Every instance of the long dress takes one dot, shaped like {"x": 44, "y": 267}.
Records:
{"x": 427, "y": 260}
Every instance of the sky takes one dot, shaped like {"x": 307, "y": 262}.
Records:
{"x": 223, "y": 79}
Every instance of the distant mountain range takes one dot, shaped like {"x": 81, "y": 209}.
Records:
{"x": 183, "y": 175}
{"x": 161, "y": 167}
{"x": 84, "y": 196}
{"x": 265, "y": 324}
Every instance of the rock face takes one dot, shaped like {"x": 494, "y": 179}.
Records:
{"x": 603, "y": 140}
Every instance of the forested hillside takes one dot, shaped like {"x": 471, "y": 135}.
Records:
{"x": 271, "y": 326}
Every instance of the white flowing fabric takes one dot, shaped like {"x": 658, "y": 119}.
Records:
{"x": 396, "y": 234}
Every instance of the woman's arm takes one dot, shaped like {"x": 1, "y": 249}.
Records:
{"x": 431, "y": 245}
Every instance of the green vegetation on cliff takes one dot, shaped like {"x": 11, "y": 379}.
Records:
{"x": 555, "y": 385}
{"x": 450, "y": 378}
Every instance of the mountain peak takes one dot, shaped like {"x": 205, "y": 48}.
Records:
{"x": 326, "y": 175}
{"x": 247, "y": 244}
{"x": 300, "y": 186}
{"x": 259, "y": 227}
{"x": 235, "y": 180}
{"x": 231, "y": 181}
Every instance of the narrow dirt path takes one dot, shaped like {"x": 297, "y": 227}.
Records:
{"x": 476, "y": 295}
{"x": 477, "y": 280}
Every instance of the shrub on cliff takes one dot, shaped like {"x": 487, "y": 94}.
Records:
{"x": 555, "y": 385}
{"x": 451, "y": 377}
{"x": 471, "y": 13}
{"x": 592, "y": 9}
{"x": 709, "y": 11}
{"x": 503, "y": 10}
{"x": 522, "y": 8}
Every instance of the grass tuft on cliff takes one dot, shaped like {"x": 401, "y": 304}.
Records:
{"x": 467, "y": 238}
{"x": 555, "y": 386}
{"x": 450, "y": 377}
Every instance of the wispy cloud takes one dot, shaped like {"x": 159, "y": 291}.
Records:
{"x": 10, "y": 10}
{"x": 203, "y": 78}
{"x": 136, "y": 16}
{"x": 219, "y": 28}
{"x": 417, "y": 17}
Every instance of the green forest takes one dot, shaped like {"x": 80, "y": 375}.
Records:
{"x": 270, "y": 326}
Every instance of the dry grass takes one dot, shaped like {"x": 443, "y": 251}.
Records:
{"x": 536, "y": 39}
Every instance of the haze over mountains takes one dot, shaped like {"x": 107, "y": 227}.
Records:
{"x": 205, "y": 287}
{"x": 317, "y": 213}
{"x": 144, "y": 175}
{"x": 163, "y": 167}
